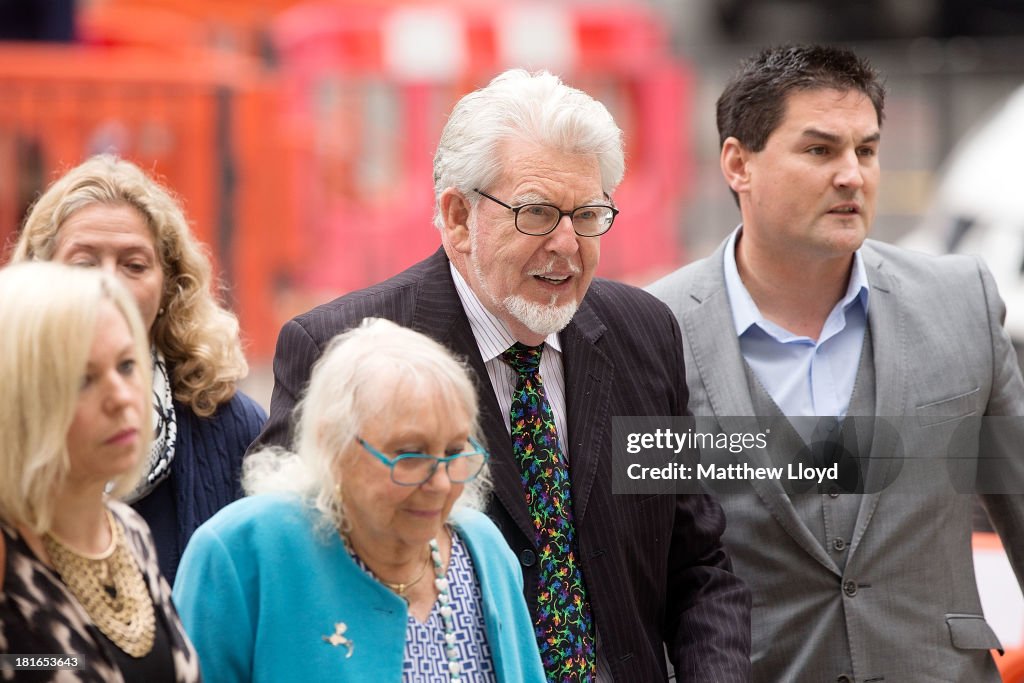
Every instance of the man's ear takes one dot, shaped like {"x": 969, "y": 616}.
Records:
{"x": 455, "y": 216}
{"x": 734, "y": 161}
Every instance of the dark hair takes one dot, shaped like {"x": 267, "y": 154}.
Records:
{"x": 754, "y": 101}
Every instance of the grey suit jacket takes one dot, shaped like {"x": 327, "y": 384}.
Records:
{"x": 904, "y": 606}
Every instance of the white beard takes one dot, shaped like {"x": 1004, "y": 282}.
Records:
{"x": 542, "y": 319}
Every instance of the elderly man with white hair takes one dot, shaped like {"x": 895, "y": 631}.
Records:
{"x": 524, "y": 176}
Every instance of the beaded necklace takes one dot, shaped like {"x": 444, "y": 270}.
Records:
{"x": 454, "y": 666}
{"x": 443, "y": 598}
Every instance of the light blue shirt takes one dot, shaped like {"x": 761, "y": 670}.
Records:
{"x": 803, "y": 376}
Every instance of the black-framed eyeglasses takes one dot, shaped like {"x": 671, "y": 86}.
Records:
{"x": 592, "y": 220}
{"x": 413, "y": 469}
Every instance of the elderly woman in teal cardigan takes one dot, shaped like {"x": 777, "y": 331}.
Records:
{"x": 361, "y": 557}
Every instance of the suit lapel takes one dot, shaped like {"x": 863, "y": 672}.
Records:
{"x": 716, "y": 355}
{"x": 589, "y": 376}
{"x": 439, "y": 314}
{"x": 887, "y": 332}
{"x": 711, "y": 332}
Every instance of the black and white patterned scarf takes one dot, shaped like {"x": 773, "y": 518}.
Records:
{"x": 165, "y": 432}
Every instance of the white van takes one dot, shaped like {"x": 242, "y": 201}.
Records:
{"x": 978, "y": 206}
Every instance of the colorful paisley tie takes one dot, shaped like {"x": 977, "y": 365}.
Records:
{"x": 564, "y": 629}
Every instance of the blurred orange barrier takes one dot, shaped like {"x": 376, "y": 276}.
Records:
{"x": 191, "y": 119}
{"x": 115, "y": 25}
{"x": 234, "y": 25}
{"x": 1001, "y": 600}
{"x": 1011, "y": 666}
{"x": 365, "y": 91}
{"x": 308, "y": 171}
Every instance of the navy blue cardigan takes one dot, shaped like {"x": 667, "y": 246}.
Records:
{"x": 205, "y": 474}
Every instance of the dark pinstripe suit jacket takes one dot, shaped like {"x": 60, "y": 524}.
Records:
{"x": 655, "y": 568}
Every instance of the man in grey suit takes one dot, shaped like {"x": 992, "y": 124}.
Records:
{"x": 797, "y": 314}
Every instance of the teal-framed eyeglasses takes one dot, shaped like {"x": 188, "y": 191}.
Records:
{"x": 413, "y": 469}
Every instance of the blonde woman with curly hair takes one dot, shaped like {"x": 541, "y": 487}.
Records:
{"x": 106, "y": 213}
{"x": 79, "y": 580}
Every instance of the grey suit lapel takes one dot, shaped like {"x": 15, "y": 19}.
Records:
{"x": 713, "y": 343}
{"x": 716, "y": 353}
{"x": 889, "y": 345}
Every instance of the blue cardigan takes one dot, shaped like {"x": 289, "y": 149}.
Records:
{"x": 259, "y": 588}
{"x": 205, "y": 474}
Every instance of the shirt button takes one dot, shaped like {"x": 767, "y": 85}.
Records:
{"x": 844, "y": 678}
{"x": 850, "y": 588}
{"x": 527, "y": 557}
{"x": 839, "y": 544}
{"x": 833, "y": 492}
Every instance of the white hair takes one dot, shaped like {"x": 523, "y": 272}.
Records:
{"x": 357, "y": 377}
{"x": 536, "y": 107}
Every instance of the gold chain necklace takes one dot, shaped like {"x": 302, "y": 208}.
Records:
{"x": 400, "y": 588}
{"x": 111, "y": 589}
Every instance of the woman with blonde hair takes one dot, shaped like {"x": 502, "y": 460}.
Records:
{"x": 80, "y": 588}
{"x": 106, "y": 213}
{"x": 360, "y": 557}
